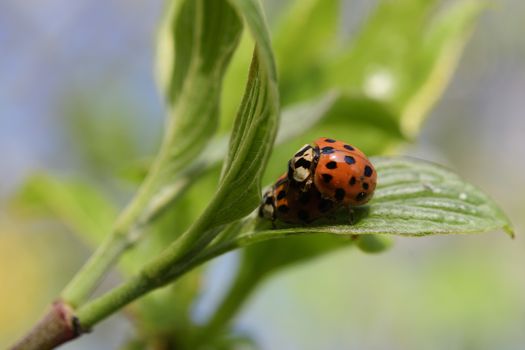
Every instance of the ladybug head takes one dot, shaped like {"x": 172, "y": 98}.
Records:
{"x": 301, "y": 166}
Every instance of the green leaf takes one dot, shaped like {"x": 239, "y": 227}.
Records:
{"x": 84, "y": 209}
{"x": 405, "y": 56}
{"x": 239, "y": 188}
{"x": 254, "y": 130}
{"x": 250, "y": 144}
{"x": 382, "y": 53}
{"x": 413, "y": 198}
{"x": 235, "y": 76}
{"x": 442, "y": 46}
{"x": 196, "y": 42}
{"x": 255, "y": 126}
{"x": 253, "y": 15}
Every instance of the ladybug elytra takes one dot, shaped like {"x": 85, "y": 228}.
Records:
{"x": 320, "y": 179}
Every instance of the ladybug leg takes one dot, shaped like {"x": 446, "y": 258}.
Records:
{"x": 351, "y": 215}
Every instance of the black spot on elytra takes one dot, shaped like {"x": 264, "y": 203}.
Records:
{"x": 352, "y": 181}
{"x": 283, "y": 208}
{"x": 349, "y": 160}
{"x": 326, "y": 177}
{"x": 281, "y": 194}
{"x": 303, "y": 163}
{"x": 303, "y": 215}
{"x": 304, "y": 197}
{"x": 327, "y": 150}
{"x": 365, "y": 186}
{"x": 325, "y": 205}
{"x": 340, "y": 194}
{"x": 329, "y": 140}
{"x": 348, "y": 147}
{"x": 331, "y": 165}
{"x": 360, "y": 196}
{"x": 368, "y": 171}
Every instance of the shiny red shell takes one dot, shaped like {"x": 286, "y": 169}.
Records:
{"x": 343, "y": 173}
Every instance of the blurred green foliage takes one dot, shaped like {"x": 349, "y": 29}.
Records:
{"x": 373, "y": 89}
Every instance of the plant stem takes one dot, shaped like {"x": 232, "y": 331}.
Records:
{"x": 92, "y": 312}
{"x": 87, "y": 278}
{"x": 155, "y": 274}
{"x": 173, "y": 262}
{"x": 58, "y": 326}
{"x": 182, "y": 256}
{"x": 128, "y": 229}
{"x": 61, "y": 325}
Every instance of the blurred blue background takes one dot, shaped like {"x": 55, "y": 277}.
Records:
{"x": 63, "y": 63}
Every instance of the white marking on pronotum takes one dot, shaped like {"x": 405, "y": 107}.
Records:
{"x": 301, "y": 174}
{"x": 302, "y": 148}
{"x": 309, "y": 154}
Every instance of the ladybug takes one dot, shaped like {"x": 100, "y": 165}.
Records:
{"x": 339, "y": 171}
{"x": 287, "y": 202}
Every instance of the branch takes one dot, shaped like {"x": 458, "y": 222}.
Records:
{"x": 58, "y": 326}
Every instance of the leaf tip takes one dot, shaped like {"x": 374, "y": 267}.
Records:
{"x": 509, "y": 230}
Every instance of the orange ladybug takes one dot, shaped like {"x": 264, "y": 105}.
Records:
{"x": 320, "y": 179}
{"x": 339, "y": 171}
{"x": 289, "y": 203}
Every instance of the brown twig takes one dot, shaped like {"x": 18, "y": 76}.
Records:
{"x": 58, "y": 326}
